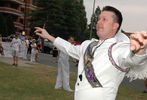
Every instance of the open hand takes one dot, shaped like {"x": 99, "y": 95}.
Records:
{"x": 44, "y": 34}
{"x": 41, "y": 32}
{"x": 138, "y": 41}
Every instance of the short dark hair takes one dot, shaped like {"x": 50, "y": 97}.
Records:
{"x": 16, "y": 34}
{"x": 68, "y": 37}
{"x": 118, "y": 14}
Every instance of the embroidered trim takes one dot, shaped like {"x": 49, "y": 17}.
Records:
{"x": 89, "y": 71}
{"x": 113, "y": 62}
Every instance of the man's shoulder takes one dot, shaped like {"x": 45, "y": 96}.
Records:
{"x": 123, "y": 44}
{"x": 120, "y": 47}
{"x": 89, "y": 41}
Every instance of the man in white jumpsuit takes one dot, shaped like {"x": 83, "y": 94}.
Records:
{"x": 105, "y": 62}
{"x": 63, "y": 70}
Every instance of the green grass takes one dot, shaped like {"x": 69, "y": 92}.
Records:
{"x": 37, "y": 83}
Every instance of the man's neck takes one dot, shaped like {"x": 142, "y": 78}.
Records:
{"x": 106, "y": 37}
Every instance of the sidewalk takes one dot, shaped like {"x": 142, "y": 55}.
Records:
{"x": 21, "y": 62}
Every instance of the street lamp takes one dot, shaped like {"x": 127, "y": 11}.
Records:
{"x": 23, "y": 33}
{"x": 92, "y": 20}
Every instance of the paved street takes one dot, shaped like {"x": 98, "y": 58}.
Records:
{"x": 47, "y": 59}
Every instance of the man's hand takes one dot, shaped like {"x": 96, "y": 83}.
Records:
{"x": 41, "y": 32}
{"x": 44, "y": 34}
{"x": 138, "y": 42}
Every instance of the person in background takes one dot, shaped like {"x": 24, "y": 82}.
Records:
{"x": 55, "y": 55}
{"x": 1, "y": 47}
{"x": 145, "y": 84}
{"x": 26, "y": 46}
{"x": 29, "y": 48}
{"x": 37, "y": 52}
{"x": 63, "y": 70}
{"x": 1, "y": 50}
{"x": 34, "y": 50}
{"x": 104, "y": 63}
{"x": 0, "y": 38}
{"x": 16, "y": 49}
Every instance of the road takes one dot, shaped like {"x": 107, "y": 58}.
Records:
{"x": 47, "y": 60}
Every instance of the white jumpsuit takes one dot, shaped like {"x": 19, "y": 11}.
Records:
{"x": 63, "y": 72}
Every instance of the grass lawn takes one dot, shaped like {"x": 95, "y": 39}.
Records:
{"x": 37, "y": 81}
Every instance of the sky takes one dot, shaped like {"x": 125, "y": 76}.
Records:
{"x": 134, "y": 12}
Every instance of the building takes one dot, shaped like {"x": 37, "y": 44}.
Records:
{"x": 19, "y": 9}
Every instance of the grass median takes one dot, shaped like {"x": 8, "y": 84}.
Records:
{"x": 37, "y": 82}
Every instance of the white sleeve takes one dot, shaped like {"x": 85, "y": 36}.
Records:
{"x": 67, "y": 47}
{"x": 137, "y": 64}
{"x": 138, "y": 68}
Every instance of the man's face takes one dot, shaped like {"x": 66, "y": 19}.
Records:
{"x": 71, "y": 40}
{"x": 16, "y": 37}
{"x": 106, "y": 27}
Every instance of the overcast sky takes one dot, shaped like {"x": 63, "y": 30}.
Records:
{"x": 134, "y": 12}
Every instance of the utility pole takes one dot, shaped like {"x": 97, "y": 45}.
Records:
{"x": 24, "y": 27}
{"x": 92, "y": 20}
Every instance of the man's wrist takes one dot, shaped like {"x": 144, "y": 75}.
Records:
{"x": 141, "y": 51}
{"x": 51, "y": 38}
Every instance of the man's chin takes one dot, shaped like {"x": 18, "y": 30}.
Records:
{"x": 99, "y": 32}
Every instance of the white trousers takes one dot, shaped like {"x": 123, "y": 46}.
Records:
{"x": 63, "y": 74}
{"x": 33, "y": 54}
{"x": 25, "y": 53}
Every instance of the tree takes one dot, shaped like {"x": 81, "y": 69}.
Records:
{"x": 94, "y": 19}
{"x": 49, "y": 13}
{"x": 80, "y": 21}
{"x": 3, "y": 25}
{"x": 62, "y": 17}
{"x": 10, "y": 25}
{"x": 6, "y": 25}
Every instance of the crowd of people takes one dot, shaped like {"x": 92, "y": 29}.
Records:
{"x": 24, "y": 47}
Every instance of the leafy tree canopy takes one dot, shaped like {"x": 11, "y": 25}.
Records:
{"x": 62, "y": 18}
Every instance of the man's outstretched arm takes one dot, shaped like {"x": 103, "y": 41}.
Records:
{"x": 44, "y": 34}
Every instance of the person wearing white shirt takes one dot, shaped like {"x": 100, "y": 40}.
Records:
{"x": 26, "y": 46}
{"x": 105, "y": 62}
{"x": 16, "y": 45}
{"x": 34, "y": 50}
